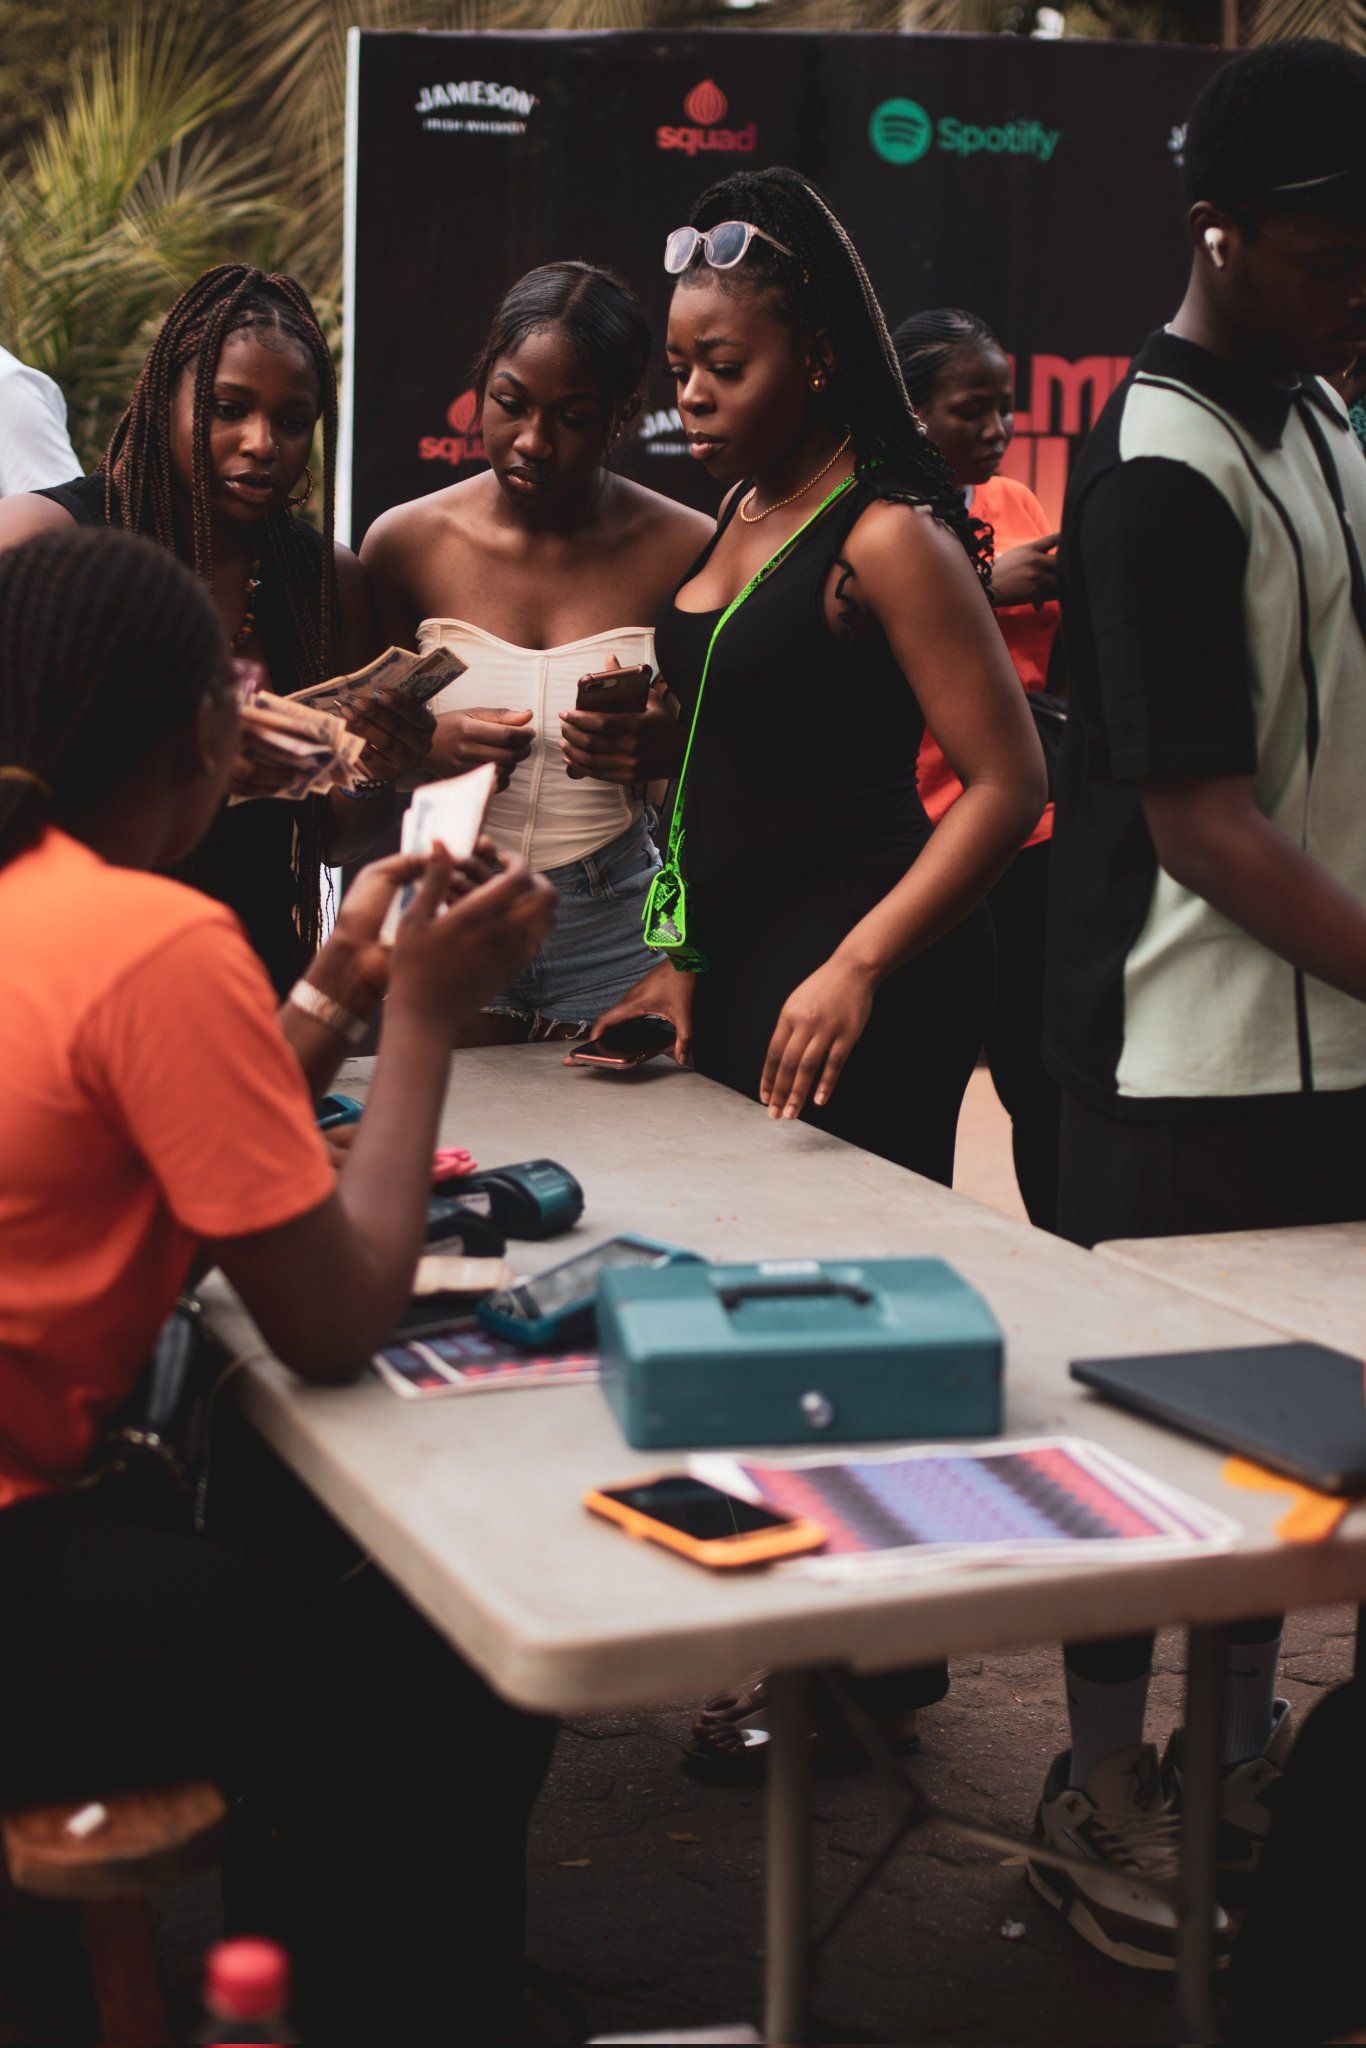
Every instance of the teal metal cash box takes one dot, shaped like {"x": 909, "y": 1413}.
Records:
{"x": 797, "y": 1351}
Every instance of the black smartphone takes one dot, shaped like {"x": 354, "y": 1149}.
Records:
{"x": 628, "y": 1044}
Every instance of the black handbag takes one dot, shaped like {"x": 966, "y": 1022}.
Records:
{"x": 1050, "y": 722}
{"x": 150, "y": 1465}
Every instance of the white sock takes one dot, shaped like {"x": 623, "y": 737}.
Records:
{"x": 1104, "y": 1720}
{"x": 1250, "y": 1689}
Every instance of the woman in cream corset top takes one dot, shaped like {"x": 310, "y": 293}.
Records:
{"x": 537, "y": 571}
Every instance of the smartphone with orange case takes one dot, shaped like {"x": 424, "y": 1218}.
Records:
{"x": 701, "y": 1522}
{"x": 616, "y": 689}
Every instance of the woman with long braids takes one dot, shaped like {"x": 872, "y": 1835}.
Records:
{"x": 961, "y": 383}
{"x": 823, "y": 948}
{"x": 211, "y": 461}
{"x": 835, "y": 959}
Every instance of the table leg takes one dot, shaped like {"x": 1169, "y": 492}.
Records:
{"x": 787, "y": 1967}
{"x": 1200, "y": 1834}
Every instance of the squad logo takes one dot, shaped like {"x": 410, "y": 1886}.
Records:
{"x": 901, "y": 132}
{"x": 443, "y": 107}
{"x": 464, "y": 443}
{"x": 706, "y": 107}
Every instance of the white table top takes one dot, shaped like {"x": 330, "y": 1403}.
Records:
{"x": 472, "y": 1504}
{"x": 1308, "y": 1283}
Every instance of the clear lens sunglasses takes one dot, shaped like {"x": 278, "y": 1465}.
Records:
{"x": 723, "y": 246}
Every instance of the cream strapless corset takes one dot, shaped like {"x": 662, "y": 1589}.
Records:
{"x": 542, "y": 815}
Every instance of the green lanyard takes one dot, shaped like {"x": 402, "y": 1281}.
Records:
{"x": 666, "y": 906}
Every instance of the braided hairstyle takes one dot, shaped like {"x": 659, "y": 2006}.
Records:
{"x": 92, "y": 622}
{"x": 232, "y": 299}
{"x": 827, "y": 289}
{"x": 927, "y": 342}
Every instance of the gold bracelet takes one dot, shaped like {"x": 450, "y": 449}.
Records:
{"x": 323, "y": 1010}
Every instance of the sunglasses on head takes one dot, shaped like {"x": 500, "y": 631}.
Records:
{"x": 723, "y": 246}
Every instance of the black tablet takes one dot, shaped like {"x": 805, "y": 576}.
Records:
{"x": 1297, "y": 1408}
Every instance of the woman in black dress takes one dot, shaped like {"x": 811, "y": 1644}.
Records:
{"x": 210, "y": 459}
{"x": 846, "y": 966}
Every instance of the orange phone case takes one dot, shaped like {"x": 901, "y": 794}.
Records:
{"x": 634, "y": 682}
{"x": 725, "y": 1553}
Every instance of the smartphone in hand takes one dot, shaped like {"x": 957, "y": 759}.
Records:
{"x": 616, "y": 689}
{"x": 628, "y": 1044}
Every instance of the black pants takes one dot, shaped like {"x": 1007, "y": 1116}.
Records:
{"x": 1262, "y": 1166}
{"x": 381, "y": 1790}
{"x": 1028, "y": 1092}
{"x": 1267, "y": 1166}
{"x": 1297, "y": 1969}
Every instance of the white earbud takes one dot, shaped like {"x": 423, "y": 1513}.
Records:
{"x": 1214, "y": 242}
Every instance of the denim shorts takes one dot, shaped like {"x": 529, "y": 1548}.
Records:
{"x": 596, "y": 951}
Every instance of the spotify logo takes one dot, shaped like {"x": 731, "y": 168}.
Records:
{"x": 900, "y": 131}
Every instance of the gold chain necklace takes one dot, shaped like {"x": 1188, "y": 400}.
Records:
{"x": 753, "y": 518}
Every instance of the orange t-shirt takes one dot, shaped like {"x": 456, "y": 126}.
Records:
{"x": 150, "y": 1101}
{"x": 1015, "y": 515}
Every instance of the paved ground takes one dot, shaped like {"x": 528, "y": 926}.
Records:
{"x": 646, "y": 1887}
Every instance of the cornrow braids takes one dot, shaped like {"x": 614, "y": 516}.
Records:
{"x": 927, "y": 342}
{"x": 232, "y": 299}
{"x": 826, "y": 288}
{"x": 92, "y": 621}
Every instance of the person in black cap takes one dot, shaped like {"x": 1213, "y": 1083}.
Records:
{"x": 1206, "y": 1000}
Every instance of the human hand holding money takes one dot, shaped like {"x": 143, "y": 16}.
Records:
{"x": 291, "y": 750}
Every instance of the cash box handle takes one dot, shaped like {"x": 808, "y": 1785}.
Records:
{"x": 792, "y": 1290}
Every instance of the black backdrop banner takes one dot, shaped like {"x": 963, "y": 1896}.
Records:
{"x": 1032, "y": 182}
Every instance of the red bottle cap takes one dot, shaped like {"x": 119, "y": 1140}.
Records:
{"x": 246, "y": 1979}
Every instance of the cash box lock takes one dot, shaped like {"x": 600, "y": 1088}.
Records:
{"x": 818, "y": 1410}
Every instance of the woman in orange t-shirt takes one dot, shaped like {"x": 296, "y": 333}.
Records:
{"x": 158, "y": 1111}
{"x": 961, "y": 383}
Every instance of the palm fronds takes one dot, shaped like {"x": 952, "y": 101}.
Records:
{"x": 123, "y": 195}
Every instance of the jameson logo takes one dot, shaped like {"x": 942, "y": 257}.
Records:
{"x": 902, "y": 132}
{"x": 444, "y": 107}
{"x": 661, "y": 433}
{"x": 706, "y": 107}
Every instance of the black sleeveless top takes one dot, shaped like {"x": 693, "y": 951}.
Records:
{"x": 803, "y": 771}
{"x": 247, "y": 857}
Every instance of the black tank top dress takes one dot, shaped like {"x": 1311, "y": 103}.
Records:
{"x": 801, "y": 814}
{"x": 246, "y": 858}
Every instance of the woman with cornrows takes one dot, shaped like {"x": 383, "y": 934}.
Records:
{"x": 835, "y": 959}
{"x": 211, "y": 461}
{"x": 961, "y": 383}
{"x": 543, "y": 568}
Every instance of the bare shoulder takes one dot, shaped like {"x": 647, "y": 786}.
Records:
{"x": 891, "y": 541}
{"x": 26, "y": 515}
{"x": 407, "y": 530}
{"x": 663, "y": 522}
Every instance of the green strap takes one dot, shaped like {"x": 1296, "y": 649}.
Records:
{"x": 676, "y": 823}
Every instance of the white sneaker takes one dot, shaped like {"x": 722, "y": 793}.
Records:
{"x": 1248, "y": 1793}
{"x": 1127, "y": 1829}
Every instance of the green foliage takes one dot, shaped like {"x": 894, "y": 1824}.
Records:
{"x": 122, "y": 196}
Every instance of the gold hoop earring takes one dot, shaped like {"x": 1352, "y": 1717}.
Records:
{"x": 297, "y": 504}
{"x": 818, "y": 380}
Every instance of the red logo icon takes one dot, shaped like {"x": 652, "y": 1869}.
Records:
{"x": 464, "y": 443}
{"x": 706, "y": 104}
